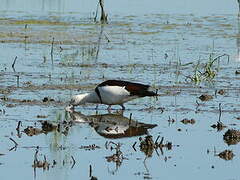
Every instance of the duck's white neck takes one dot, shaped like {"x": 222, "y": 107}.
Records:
{"x": 85, "y": 98}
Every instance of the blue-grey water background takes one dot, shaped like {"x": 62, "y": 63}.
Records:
{"x": 155, "y": 42}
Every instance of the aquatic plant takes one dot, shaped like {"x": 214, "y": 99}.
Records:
{"x": 207, "y": 71}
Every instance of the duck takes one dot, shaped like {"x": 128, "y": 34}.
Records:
{"x": 113, "y": 92}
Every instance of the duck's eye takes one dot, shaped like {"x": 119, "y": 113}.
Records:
{"x": 72, "y": 101}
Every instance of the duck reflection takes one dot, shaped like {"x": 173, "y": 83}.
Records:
{"x": 112, "y": 125}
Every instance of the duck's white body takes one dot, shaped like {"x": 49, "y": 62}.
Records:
{"x": 113, "y": 92}
{"x": 112, "y": 95}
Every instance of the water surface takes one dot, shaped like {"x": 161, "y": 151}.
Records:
{"x": 158, "y": 43}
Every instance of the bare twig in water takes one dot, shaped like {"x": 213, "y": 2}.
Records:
{"x": 106, "y": 144}
{"x": 197, "y": 105}
{"x": 130, "y": 118}
{"x": 52, "y": 50}
{"x": 133, "y": 146}
{"x": 17, "y": 80}
{"x": 148, "y": 145}
{"x": 220, "y": 112}
{"x": 15, "y": 144}
{"x": 74, "y": 162}
{"x": 13, "y": 64}
{"x": 18, "y": 128}
{"x": 90, "y": 170}
{"x": 99, "y": 42}
{"x": 107, "y": 38}
{"x": 35, "y": 163}
{"x": 145, "y": 165}
{"x": 157, "y": 139}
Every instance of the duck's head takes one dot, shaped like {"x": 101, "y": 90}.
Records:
{"x": 79, "y": 99}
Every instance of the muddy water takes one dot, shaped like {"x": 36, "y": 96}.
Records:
{"x": 168, "y": 50}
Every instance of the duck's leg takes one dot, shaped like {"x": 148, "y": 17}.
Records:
{"x": 96, "y": 109}
{"x": 123, "y": 107}
{"x": 109, "y": 109}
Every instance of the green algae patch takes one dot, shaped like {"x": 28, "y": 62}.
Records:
{"x": 144, "y": 32}
{"x": 169, "y": 26}
{"x": 38, "y": 22}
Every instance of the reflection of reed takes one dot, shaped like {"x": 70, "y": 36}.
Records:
{"x": 43, "y": 5}
{"x": 5, "y": 4}
{"x": 238, "y": 38}
{"x": 53, "y": 5}
{"x": 238, "y": 5}
{"x": 99, "y": 42}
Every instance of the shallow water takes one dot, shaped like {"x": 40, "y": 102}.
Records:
{"x": 160, "y": 46}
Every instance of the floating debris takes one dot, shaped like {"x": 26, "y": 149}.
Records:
{"x": 26, "y": 101}
{"x": 117, "y": 157}
{"x": 47, "y": 99}
{"x": 232, "y": 136}
{"x": 41, "y": 116}
{"x": 93, "y": 178}
{"x": 5, "y": 91}
{"x": 10, "y": 105}
{"x": 32, "y": 131}
{"x": 219, "y": 126}
{"x": 148, "y": 145}
{"x": 221, "y": 92}
{"x": 15, "y": 144}
{"x": 237, "y": 72}
{"x": 205, "y": 97}
{"x": 238, "y": 118}
{"x": 226, "y": 155}
{"x": 48, "y": 127}
{"x": 152, "y": 108}
{"x": 40, "y": 164}
{"x": 188, "y": 121}
{"x": 14, "y": 102}
{"x": 90, "y": 147}
{"x": 171, "y": 120}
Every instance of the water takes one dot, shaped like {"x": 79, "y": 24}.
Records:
{"x": 158, "y": 43}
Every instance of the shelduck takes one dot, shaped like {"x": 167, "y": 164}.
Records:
{"x": 113, "y": 92}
